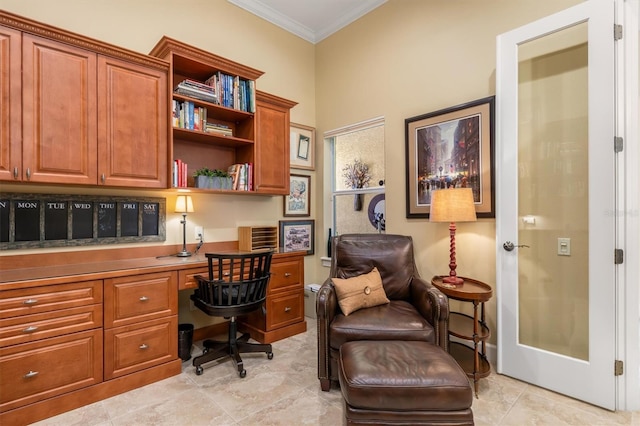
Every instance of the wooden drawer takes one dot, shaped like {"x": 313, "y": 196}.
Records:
{"x": 285, "y": 309}
{"x": 136, "y": 347}
{"x": 28, "y": 328}
{"x": 285, "y": 274}
{"x": 130, "y": 300}
{"x": 49, "y": 298}
{"x": 35, "y": 371}
{"x": 186, "y": 280}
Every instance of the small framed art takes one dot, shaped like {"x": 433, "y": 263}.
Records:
{"x": 302, "y": 145}
{"x": 298, "y": 202}
{"x": 297, "y": 235}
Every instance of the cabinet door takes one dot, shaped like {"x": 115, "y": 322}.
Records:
{"x": 35, "y": 371}
{"x": 59, "y": 112}
{"x": 10, "y": 104}
{"x": 272, "y": 144}
{"x": 132, "y": 129}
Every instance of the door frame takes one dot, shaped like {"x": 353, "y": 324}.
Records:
{"x": 628, "y": 203}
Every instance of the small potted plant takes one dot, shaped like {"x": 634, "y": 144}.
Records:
{"x": 212, "y": 179}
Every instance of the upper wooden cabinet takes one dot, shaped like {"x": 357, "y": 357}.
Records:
{"x": 92, "y": 113}
{"x": 257, "y": 135}
{"x": 59, "y": 112}
{"x": 10, "y": 103}
{"x": 132, "y": 124}
{"x": 272, "y": 144}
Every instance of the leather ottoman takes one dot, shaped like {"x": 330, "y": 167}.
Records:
{"x": 404, "y": 383}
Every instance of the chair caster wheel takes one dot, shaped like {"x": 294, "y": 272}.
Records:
{"x": 199, "y": 371}
{"x": 205, "y": 350}
{"x": 243, "y": 374}
{"x": 270, "y": 355}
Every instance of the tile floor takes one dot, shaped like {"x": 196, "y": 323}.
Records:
{"x": 285, "y": 391}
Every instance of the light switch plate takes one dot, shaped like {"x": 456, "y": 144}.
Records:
{"x": 564, "y": 246}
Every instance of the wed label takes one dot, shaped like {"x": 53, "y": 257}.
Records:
{"x": 81, "y": 219}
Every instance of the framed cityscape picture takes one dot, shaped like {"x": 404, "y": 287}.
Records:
{"x": 451, "y": 148}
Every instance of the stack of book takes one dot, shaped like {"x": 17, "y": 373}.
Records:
{"x": 217, "y": 128}
{"x": 198, "y": 90}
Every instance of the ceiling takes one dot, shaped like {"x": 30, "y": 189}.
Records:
{"x": 312, "y": 20}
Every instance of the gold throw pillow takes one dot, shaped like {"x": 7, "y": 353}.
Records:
{"x": 363, "y": 291}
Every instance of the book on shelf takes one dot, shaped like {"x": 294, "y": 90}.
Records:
{"x": 180, "y": 174}
{"x": 233, "y": 91}
{"x": 197, "y": 90}
{"x": 242, "y": 174}
{"x": 221, "y": 129}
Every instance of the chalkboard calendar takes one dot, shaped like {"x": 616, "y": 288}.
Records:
{"x": 46, "y": 220}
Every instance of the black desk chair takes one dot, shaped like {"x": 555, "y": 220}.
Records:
{"x": 237, "y": 285}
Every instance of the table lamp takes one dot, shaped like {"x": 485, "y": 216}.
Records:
{"x": 452, "y": 205}
{"x": 184, "y": 205}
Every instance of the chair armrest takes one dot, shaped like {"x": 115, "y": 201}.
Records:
{"x": 434, "y": 306}
{"x": 326, "y": 309}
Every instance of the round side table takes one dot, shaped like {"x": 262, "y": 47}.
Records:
{"x": 472, "y": 359}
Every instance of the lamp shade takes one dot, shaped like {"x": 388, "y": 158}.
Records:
{"x": 452, "y": 205}
{"x": 184, "y": 204}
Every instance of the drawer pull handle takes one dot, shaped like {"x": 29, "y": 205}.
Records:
{"x": 144, "y": 298}
{"x": 287, "y": 309}
{"x": 30, "y": 329}
{"x": 30, "y": 301}
{"x": 143, "y": 346}
{"x": 287, "y": 274}
{"x": 31, "y": 374}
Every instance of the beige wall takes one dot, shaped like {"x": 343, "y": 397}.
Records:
{"x": 410, "y": 57}
{"x": 406, "y": 58}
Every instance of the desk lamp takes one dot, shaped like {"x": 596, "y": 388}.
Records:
{"x": 452, "y": 205}
{"x": 184, "y": 205}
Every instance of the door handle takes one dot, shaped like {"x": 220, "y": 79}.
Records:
{"x": 509, "y": 246}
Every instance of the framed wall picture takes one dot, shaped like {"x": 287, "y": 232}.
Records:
{"x": 298, "y": 202}
{"x": 303, "y": 146}
{"x": 452, "y": 147}
{"x": 297, "y": 235}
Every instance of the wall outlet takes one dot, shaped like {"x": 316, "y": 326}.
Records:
{"x": 199, "y": 233}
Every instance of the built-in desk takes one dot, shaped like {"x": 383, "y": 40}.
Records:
{"x": 78, "y": 327}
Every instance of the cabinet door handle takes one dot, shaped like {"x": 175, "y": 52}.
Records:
{"x": 287, "y": 309}
{"x": 30, "y": 301}
{"x": 103, "y": 178}
{"x": 143, "y": 346}
{"x": 30, "y": 329}
{"x": 287, "y": 274}
{"x": 28, "y": 173}
{"x": 31, "y": 374}
{"x": 15, "y": 173}
{"x": 144, "y": 298}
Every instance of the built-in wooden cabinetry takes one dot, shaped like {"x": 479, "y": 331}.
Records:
{"x": 79, "y": 111}
{"x": 260, "y": 139}
{"x": 284, "y": 307}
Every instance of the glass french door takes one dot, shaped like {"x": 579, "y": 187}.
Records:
{"x": 556, "y": 197}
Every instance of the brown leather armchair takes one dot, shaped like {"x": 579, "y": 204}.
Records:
{"x": 417, "y": 310}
